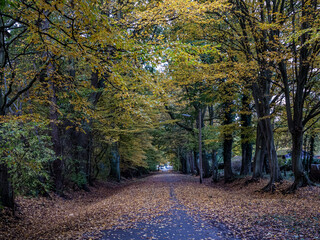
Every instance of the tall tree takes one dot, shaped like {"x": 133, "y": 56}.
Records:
{"x": 300, "y": 78}
{"x": 242, "y": 32}
{"x": 246, "y": 128}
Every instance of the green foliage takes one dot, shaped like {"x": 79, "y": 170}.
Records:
{"x": 2, "y": 4}
{"x": 74, "y": 171}
{"x": 79, "y": 178}
{"x": 26, "y": 149}
{"x": 176, "y": 163}
{"x": 153, "y": 158}
{"x": 211, "y": 137}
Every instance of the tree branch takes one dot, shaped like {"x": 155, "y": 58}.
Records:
{"x": 178, "y": 123}
{"x": 26, "y": 88}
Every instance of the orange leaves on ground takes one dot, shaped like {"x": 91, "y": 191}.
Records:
{"x": 106, "y": 206}
{"x": 249, "y": 213}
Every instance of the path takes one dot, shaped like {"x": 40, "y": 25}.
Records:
{"x": 176, "y": 223}
{"x": 168, "y": 206}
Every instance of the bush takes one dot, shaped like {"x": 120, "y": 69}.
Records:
{"x": 26, "y": 149}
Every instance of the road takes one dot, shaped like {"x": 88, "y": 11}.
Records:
{"x": 174, "y": 223}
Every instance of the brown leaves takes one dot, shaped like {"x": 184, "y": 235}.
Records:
{"x": 247, "y": 213}
{"x": 253, "y": 214}
{"x": 105, "y": 207}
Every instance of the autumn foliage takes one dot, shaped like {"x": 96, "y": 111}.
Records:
{"x": 92, "y": 91}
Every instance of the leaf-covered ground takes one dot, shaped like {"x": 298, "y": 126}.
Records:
{"x": 254, "y": 215}
{"x": 237, "y": 208}
{"x": 175, "y": 223}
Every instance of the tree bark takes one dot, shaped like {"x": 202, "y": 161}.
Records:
{"x": 300, "y": 177}
{"x": 227, "y": 144}
{"x": 115, "y": 162}
{"x": 215, "y": 174}
{"x": 57, "y": 165}
{"x": 246, "y": 158}
{"x": 312, "y": 139}
{"x": 260, "y": 154}
{"x": 227, "y": 153}
{"x": 195, "y": 159}
{"x": 6, "y": 189}
{"x": 191, "y": 162}
{"x": 246, "y": 145}
{"x": 187, "y": 170}
{"x": 261, "y": 95}
{"x": 183, "y": 161}
{"x": 200, "y": 145}
{"x": 206, "y": 165}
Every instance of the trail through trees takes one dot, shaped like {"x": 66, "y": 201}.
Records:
{"x": 165, "y": 204}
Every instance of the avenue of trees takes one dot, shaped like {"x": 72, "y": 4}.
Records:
{"x": 94, "y": 89}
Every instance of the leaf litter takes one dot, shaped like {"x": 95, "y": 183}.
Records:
{"x": 251, "y": 214}
{"x": 244, "y": 211}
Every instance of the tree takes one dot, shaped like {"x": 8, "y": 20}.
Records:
{"x": 48, "y": 32}
{"x": 245, "y": 37}
{"x": 299, "y": 78}
{"x": 246, "y": 133}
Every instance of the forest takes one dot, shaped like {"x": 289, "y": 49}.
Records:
{"x": 110, "y": 90}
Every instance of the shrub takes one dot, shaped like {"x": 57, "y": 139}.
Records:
{"x": 26, "y": 149}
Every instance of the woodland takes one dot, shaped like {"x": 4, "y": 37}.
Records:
{"x": 95, "y": 90}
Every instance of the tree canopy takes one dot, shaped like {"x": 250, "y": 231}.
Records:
{"x": 109, "y": 89}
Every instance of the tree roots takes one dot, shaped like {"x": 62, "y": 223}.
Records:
{"x": 302, "y": 181}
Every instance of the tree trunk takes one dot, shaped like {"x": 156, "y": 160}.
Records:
{"x": 261, "y": 95}
{"x": 200, "y": 146}
{"x": 115, "y": 162}
{"x": 305, "y": 157}
{"x": 195, "y": 159}
{"x": 6, "y": 189}
{"x": 82, "y": 153}
{"x": 215, "y": 174}
{"x": 183, "y": 162}
{"x": 227, "y": 144}
{"x": 187, "y": 164}
{"x": 57, "y": 165}
{"x": 191, "y": 162}
{"x": 227, "y": 154}
{"x": 300, "y": 178}
{"x": 88, "y": 149}
{"x": 246, "y": 145}
{"x": 80, "y": 144}
{"x": 206, "y": 165}
{"x": 275, "y": 175}
{"x": 246, "y": 158}
{"x": 259, "y": 156}
{"x": 94, "y": 97}
{"x": 312, "y": 138}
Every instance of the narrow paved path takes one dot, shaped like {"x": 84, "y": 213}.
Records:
{"x": 175, "y": 223}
